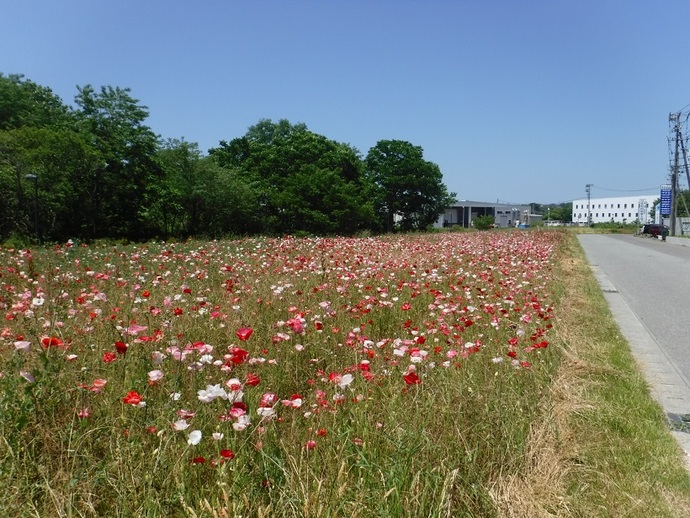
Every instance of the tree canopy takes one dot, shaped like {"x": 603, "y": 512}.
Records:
{"x": 409, "y": 190}
{"x": 97, "y": 170}
{"x": 306, "y": 182}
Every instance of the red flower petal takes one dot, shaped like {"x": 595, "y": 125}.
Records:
{"x": 243, "y": 333}
{"x": 252, "y": 380}
{"x": 132, "y": 398}
{"x": 411, "y": 378}
{"x": 227, "y": 454}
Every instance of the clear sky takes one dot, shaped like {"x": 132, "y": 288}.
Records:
{"x": 518, "y": 101}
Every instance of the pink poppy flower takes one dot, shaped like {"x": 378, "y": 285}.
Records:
{"x": 22, "y": 346}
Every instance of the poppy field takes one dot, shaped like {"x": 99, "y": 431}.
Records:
{"x": 392, "y": 376}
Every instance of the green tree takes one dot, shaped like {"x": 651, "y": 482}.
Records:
{"x": 59, "y": 159}
{"x": 24, "y": 103}
{"x": 124, "y": 186}
{"x": 307, "y": 183}
{"x": 683, "y": 205}
{"x": 39, "y": 136}
{"x": 199, "y": 197}
{"x": 408, "y": 188}
{"x": 559, "y": 212}
{"x": 182, "y": 194}
{"x": 234, "y": 205}
{"x": 483, "y": 222}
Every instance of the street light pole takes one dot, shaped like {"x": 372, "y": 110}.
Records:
{"x": 34, "y": 179}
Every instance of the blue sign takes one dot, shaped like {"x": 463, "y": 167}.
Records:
{"x": 665, "y": 207}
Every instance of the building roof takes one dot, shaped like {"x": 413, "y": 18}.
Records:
{"x": 470, "y": 203}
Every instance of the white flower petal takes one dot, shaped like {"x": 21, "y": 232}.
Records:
{"x": 180, "y": 425}
{"x": 194, "y": 438}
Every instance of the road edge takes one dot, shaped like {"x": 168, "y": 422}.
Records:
{"x": 668, "y": 386}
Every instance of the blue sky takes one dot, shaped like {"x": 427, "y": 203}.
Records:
{"x": 523, "y": 101}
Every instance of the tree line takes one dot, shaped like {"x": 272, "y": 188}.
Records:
{"x": 95, "y": 170}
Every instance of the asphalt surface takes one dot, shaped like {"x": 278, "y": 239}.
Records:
{"x": 646, "y": 283}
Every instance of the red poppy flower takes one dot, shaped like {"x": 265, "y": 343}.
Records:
{"x": 252, "y": 380}
{"x": 238, "y": 355}
{"x": 51, "y": 341}
{"x": 411, "y": 378}
{"x": 227, "y": 454}
{"x": 132, "y": 398}
{"x": 243, "y": 333}
{"x": 121, "y": 347}
{"x": 109, "y": 357}
{"x": 198, "y": 460}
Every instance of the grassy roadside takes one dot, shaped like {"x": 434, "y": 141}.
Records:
{"x": 603, "y": 448}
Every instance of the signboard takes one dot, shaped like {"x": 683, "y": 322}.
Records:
{"x": 665, "y": 207}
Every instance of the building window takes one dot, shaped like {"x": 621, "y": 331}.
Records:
{"x": 625, "y": 205}
{"x": 605, "y": 206}
{"x": 619, "y": 206}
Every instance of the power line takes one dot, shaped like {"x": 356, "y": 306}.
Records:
{"x": 624, "y": 190}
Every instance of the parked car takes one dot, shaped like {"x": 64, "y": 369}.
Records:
{"x": 654, "y": 230}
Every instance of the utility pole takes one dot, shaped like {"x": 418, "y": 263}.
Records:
{"x": 680, "y": 149}
{"x": 588, "y": 188}
{"x": 674, "y": 118}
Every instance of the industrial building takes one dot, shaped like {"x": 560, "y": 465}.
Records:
{"x": 622, "y": 209}
{"x": 463, "y": 212}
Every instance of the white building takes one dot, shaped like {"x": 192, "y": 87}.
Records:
{"x": 624, "y": 209}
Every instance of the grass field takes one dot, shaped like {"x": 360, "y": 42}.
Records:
{"x": 457, "y": 374}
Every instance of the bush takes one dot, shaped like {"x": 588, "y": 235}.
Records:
{"x": 483, "y": 222}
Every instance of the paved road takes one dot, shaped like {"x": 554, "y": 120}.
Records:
{"x": 646, "y": 283}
